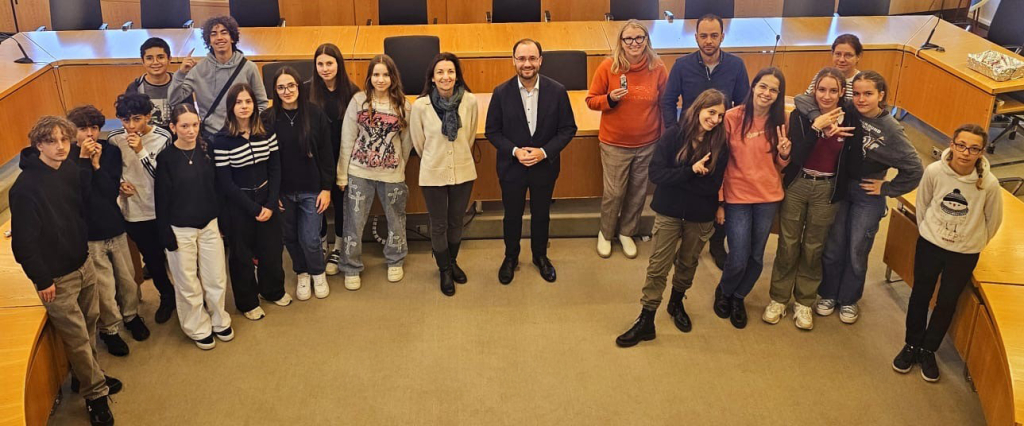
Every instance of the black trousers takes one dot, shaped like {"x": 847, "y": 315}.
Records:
{"x": 513, "y": 197}
{"x": 250, "y": 241}
{"x": 956, "y": 269}
{"x": 338, "y": 204}
{"x": 147, "y": 238}
{"x": 446, "y": 208}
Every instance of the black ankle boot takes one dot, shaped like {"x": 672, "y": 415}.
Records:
{"x": 722, "y": 306}
{"x": 99, "y": 412}
{"x": 739, "y": 313}
{"x": 643, "y": 329}
{"x": 457, "y": 273}
{"x": 444, "y": 266}
{"x": 678, "y": 312}
{"x": 164, "y": 311}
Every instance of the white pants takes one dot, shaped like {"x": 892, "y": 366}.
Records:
{"x": 198, "y": 270}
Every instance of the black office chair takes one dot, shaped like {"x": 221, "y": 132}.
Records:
{"x": 304, "y": 67}
{"x": 412, "y": 55}
{"x": 256, "y": 13}
{"x": 70, "y": 15}
{"x": 402, "y": 12}
{"x": 1005, "y": 30}
{"x": 694, "y": 9}
{"x": 516, "y": 11}
{"x": 864, "y": 7}
{"x": 568, "y": 67}
{"x": 166, "y": 13}
{"x": 797, "y": 8}
{"x": 624, "y": 10}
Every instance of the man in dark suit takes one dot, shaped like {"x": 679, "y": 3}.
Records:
{"x": 530, "y": 122}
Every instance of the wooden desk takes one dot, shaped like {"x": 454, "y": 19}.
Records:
{"x": 996, "y": 357}
{"x": 16, "y": 290}
{"x": 32, "y": 366}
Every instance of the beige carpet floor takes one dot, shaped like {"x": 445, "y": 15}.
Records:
{"x": 532, "y": 353}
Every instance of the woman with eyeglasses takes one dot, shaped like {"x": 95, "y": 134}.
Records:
{"x": 307, "y": 175}
{"x": 626, "y": 89}
{"x": 846, "y": 53}
{"x": 959, "y": 210}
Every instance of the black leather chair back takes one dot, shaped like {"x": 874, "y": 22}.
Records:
{"x": 863, "y": 7}
{"x": 412, "y": 55}
{"x": 255, "y": 13}
{"x": 796, "y": 8}
{"x": 67, "y": 15}
{"x": 515, "y": 10}
{"x": 694, "y": 9}
{"x": 568, "y": 67}
{"x": 644, "y": 10}
{"x": 1006, "y": 28}
{"x": 402, "y": 12}
{"x": 165, "y": 13}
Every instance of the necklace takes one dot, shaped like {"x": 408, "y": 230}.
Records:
{"x": 188, "y": 157}
{"x": 291, "y": 118}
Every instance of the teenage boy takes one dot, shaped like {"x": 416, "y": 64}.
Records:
{"x": 156, "y": 82}
{"x": 49, "y": 240}
{"x": 140, "y": 143}
{"x": 108, "y": 243}
{"x": 210, "y": 79}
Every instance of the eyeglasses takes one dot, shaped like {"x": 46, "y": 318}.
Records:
{"x": 290, "y": 87}
{"x": 524, "y": 59}
{"x": 634, "y": 40}
{"x": 974, "y": 150}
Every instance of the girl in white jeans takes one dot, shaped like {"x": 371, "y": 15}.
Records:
{"x": 187, "y": 207}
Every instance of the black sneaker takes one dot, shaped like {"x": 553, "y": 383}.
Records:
{"x": 739, "y": 313}
{"x": 722, "y": 306}
{"x": 115, "y": 344}
{"x": 138, "y": 329}
{"x": 113, "y": 385}
{"x": 206, "y": 343}
{"x": 906, "y": 359}
{"x": 164, "y": 311}
{"x": 225, "y": 335}
{"x": 929, "y": 368}
{"x": 99, "y": 412}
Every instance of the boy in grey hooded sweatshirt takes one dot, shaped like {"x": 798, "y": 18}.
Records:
{"x": 207, "y": 78}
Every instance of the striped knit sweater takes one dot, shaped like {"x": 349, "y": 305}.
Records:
{"x": 246, "y": 164}
{"x": 139, "y": 169}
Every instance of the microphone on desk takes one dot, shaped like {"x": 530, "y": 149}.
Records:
{"x": 928, "y": 45}
{"x": 24, "y": 59}
{"x": 777, "y": 38}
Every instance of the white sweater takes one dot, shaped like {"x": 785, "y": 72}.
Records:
{"x": 139, "y": 169}
{"x": 953, "y": 213}
{"x": 373, "y": 148}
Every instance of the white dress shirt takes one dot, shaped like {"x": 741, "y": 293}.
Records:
{"x": 530, "y": 98}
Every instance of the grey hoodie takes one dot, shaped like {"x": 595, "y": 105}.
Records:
{"x": 953, "y": 213}
{"x": 206, "y": 79}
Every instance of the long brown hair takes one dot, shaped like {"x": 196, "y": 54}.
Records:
{"x": 233, "y": 125}
{"x": 835, "y": 74}
{"x": 302, "y": 117}
{"x": 187, "y": 108}
{"x": 979, "y": 165}
{"x": 342, "y": 84}
{"x": 713, "y": 141}
{"x": 428, "y": 87}
{"x": 395, "y": 93}
{"x": 776, "y": 111}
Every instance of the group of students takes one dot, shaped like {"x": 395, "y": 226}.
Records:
{"x": 201, "y": 157}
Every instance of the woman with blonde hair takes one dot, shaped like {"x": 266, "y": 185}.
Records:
{"x": 626, "y": 89}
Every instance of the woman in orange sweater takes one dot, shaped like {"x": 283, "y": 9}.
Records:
{"x": 752, "y": 189}
{"x": 626, "y": 88}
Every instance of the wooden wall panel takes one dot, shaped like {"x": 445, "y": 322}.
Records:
{"x": 964, "y": 321}
{"x": 987, "y": 364}
{"x": 801, "y": 67}
{"x": 468, "y": 12}
{"x": 972, "y": 105}
{"x": 98, "y": 85}
{"x": 21, "y": 110}
{"x": 7, "y": 23}
{"x": 46, "y": 374}
{"x": 32, "y": 14}
{"x": 320, "y": 12}
{"x": 206, "y": 9}
{"x": 117, "y": 12}
{"x": 576, "y": 10}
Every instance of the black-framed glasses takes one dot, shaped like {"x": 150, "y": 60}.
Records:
{"x": 634, "y": 40}
{"x": 290, "y": 87}
{"x": 973, "y": 150}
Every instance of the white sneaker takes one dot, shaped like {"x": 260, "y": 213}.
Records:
{"x": 284, "y": 300}
{"x": 395, "y": 273}
{"x": 628, "y": 246}
{"x": 352, "y": 282}
{"x": 302, "y": 291}
{"x": 332, "y": 262}
{"x": 849, "y": 314}
{"x": 255, "y": 314}
{"x": 824, "y": 307}
{"x": 802, "y": 317}
{"x": 320, "y": 286}
{"x": 604, "y": 246}
{"x": 774, "y": 312}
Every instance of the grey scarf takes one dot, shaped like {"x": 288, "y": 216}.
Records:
{"x": 448, "y": 109}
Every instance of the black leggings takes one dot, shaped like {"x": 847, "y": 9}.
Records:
{"x": 931, "y": 260}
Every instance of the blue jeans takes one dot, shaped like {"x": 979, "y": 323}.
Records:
{"x": 746, "y": 228}
{"x": 301, "y": 225}
{"x": 845, "y": 260}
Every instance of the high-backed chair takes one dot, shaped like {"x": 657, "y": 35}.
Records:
{"x": 402, "y": 12}
{"x": 864, "y": 7}
{"x": 68, "y": 15}
{"x": 624, "y": 10}
{"x": 515, "y": 11}
{"x": 1006, "y": 30}
{"x": 796, "y": 8}
{"x": 725, "y": 9}
{"x": 256, "y": 13}
{"x": 568, "y": 67}
{"x": 166, "y": 13}
{"x": 304, "y": 67}
{"x": 412, "y": 55}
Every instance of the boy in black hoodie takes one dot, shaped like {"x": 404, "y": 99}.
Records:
{"x": 49, "y": 240}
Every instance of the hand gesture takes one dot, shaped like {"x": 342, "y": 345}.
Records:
{"x": 264, "y": 215}
{"x": 135, "y": 142}
{"x": 618, "y": 94}
{"x": 785, "y": 146}
{"x": 87, "y": 148}
{"x": 49, "y": 294}
{"x": 828, "y": 119}
{"x": 720, "y": 216}
{"x": 872, "y": 186}
{"x": 322, "y": 201}
{"x": 843, "y": 132}
{"x": 700, "y": 167}
{"x": 127, "y": 189}
{"x": 97, "y": 152}
{"x": 529, "y": 156}
{"x": 188, "y": 62}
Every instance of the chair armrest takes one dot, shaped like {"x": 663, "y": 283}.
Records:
{"x": 369, "y": 22}
{"x": 282, "y": 23}
{"x": 127, "y": 26}
{"x": 41, "y": 28}
{"x": 188, "y": 24}
{"x": 609, "y": 17}
{"x": 435, "y": 21}
{"x": 670, "y": 16}
{"x": 104, "y": 26}
{"x": 547, "y": 16}
{"x": 489, "y": 17}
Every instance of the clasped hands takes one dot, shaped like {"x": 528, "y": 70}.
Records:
{"x": 528, "y": 156}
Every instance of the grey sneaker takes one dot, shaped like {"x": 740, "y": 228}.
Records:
{"x": 824, "y": 307}
{"x": 849, "y": 314}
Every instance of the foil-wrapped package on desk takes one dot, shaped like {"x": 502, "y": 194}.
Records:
{"x": 995, "y": 65}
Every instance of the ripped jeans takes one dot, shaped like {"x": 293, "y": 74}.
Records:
{"x": 359, "y": 198}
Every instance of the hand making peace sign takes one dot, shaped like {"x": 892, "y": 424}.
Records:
{"x": 785, "y": 146}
